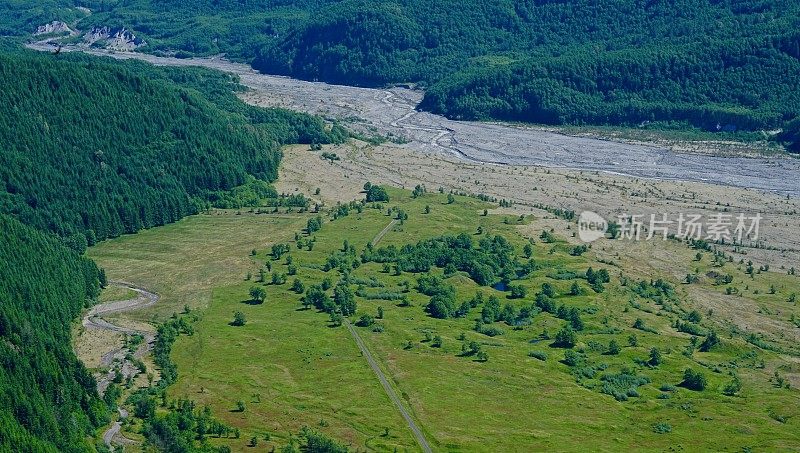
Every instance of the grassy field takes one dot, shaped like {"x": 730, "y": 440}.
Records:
{"x": 184, "y": 261}
{"x": 113, "y": 293}
{"x": 291, "y": 367}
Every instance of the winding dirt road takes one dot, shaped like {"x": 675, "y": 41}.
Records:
{"x": 114, "y": 431}
{"x": 93, "y": 318}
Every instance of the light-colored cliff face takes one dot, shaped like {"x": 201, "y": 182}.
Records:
{"x": 53, "y": 27}
{"x": 120, "y": 39}
{"x": 105, "y": 37}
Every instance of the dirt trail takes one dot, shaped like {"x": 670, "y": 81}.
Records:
{"x": 383, "y": 232}
{"x": 93, "y": 320}
{"x": 113, "y": 435}
{"x": 423, "y": 443}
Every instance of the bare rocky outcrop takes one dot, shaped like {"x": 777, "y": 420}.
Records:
{"x": 120, "y": 39}
{"x": 54, "y": 27}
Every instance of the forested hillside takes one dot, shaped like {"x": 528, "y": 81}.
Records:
{"x": 21, "y": 17}
{"x": 93, "y": 150}
{"x": 791, "y": 135}
{"x": 48, "y": 400}
{"x": 723, "y": 86}
{"x": 708, "y": 63}
{"x": 711, "y": 64}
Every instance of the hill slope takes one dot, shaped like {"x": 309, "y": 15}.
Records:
{"x": 49, "y": 401}
{"x": 732, "y": 63}
{"x": 93, "y": 149}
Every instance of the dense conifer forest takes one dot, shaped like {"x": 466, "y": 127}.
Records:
{"x": 713, "y": 64}
{"x": 49, "y": 401}
{"x": 94, "y": 150}
{"x": 717, "y": 65}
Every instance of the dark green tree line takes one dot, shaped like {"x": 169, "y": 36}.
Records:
{"x": 48, "y": 400}
{"x": 93, "y": 149}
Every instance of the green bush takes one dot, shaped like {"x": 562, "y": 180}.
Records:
{"x": 538, "y": 355}
{"x": 694, "y": 380}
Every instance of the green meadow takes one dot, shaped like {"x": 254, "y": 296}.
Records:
{"x": 184, "y": 261}
{"x": 507, "y": 387}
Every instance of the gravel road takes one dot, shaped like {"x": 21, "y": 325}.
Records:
{"x": 423, "y": 443}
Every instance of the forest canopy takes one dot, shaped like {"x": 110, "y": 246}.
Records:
{"x": 94, "y": 149}
{"x": 49, "y": 401}
{"x": 715, "y": 64}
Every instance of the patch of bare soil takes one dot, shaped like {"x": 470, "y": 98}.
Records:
{"x": 92, "y": 344}
{"x": 533, "y": 187}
